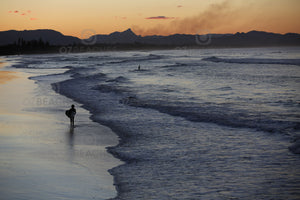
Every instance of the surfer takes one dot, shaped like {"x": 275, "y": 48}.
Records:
{"x": 71, "y": 114}
{"x": 139, "y": 67}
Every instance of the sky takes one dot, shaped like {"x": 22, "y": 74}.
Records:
{"x": 151, "y": 17}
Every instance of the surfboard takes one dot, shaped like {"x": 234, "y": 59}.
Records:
{"x": 68, "y": 113}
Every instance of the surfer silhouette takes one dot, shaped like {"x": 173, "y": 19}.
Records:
{"x": 71, "y": 114}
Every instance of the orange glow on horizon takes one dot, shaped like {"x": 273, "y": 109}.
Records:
{"x": 154, "y": 17}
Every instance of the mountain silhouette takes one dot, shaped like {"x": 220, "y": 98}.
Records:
{"x": 252, "y": 38}
{"x": 47, "y": 35}
{"x": 128, "y": 37}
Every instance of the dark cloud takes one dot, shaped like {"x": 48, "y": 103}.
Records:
{"x": 160, "y": 17}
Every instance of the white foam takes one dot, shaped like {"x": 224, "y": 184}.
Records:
{"x": 254, "y": 60}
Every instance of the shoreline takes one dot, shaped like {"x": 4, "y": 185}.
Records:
{"x": 42, "y": 156}
{"x": 122, "y": 135}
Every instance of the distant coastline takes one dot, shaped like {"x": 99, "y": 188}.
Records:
{"x": 49, "y": 41}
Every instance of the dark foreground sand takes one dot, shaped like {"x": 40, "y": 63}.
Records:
{"x": 41, "y": 157}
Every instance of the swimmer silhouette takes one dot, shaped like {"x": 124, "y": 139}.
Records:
{"x": 71, "y": 114}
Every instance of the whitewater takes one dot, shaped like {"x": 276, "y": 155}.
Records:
{"x": 192, "y": 123}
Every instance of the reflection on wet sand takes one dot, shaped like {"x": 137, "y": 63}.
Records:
{"x": 2, "y": 63}
{"x": 71, "y": 136}
{"x": 6, "y": 76}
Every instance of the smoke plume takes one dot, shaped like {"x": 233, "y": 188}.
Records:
{"x": 216, "y": 18}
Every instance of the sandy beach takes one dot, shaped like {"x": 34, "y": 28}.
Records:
{"x": 41, "y": 157}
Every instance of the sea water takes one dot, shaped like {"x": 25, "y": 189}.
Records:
{"x": 193, "y": 123}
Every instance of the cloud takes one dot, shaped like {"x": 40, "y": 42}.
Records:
{"x": 26, "y": 14}
{"x": 160, "y": 17}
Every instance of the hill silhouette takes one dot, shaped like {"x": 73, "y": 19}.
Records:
{"x": 252, "y": 38}
{"x": 43, "y": 39}
{"x": 126, "y": 37}
{"x": 47, "y": 35}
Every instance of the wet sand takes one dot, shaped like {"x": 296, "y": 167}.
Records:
{"x": 41, "y": 157}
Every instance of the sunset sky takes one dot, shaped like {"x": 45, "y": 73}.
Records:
{"x": 151, "y": 17}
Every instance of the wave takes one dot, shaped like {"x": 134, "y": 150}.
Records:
{"x": 119, "y": 79}
{"x": 216, "y": 113}
{"x": 174, "y": 65}
{"x": 295, "y": 148}
{"x": 29, "y": 64}
{"x": 227, "y": 88}
{"x": 109, "y": 89}
{"x": 136, "y": 59}
{"x": 221, "y": 114}
{"x": 253, "y": 60}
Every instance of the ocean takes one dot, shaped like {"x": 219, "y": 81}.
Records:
{"x": 193, "y": 123}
